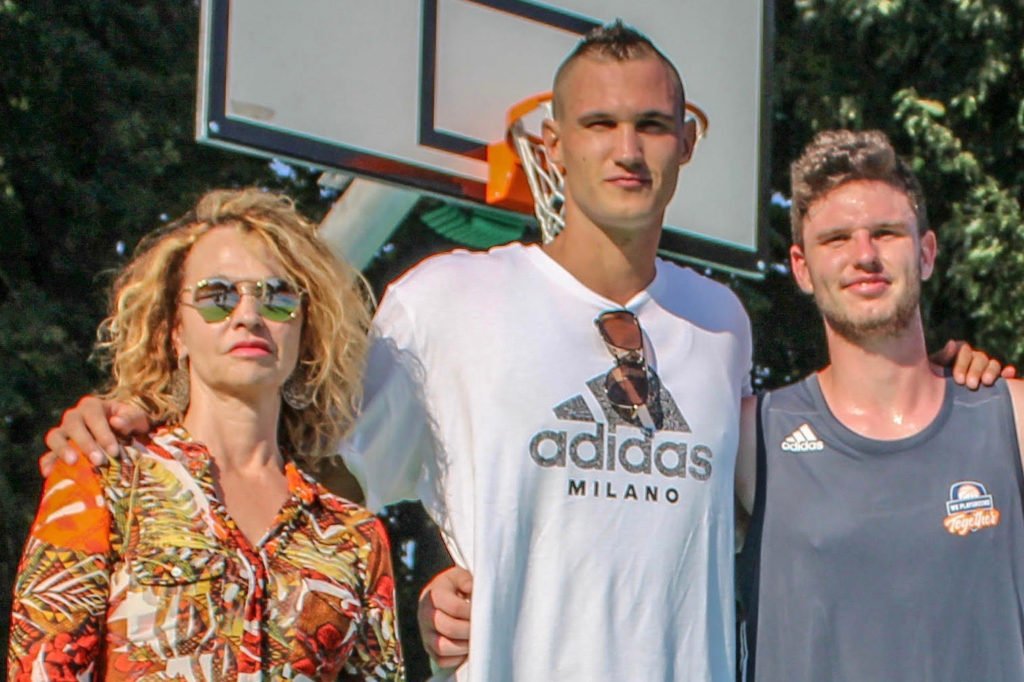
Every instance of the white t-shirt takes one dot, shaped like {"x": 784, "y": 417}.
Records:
{"x": 599, "y": 551}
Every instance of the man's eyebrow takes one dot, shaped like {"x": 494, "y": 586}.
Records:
{"x": 594, "y": 115}
{"x": 829, "y": 232}
{"x": 837, "y": 230}
{"x": 890, "y": 225}
{"x": 658, "y": 113}
{"x": 647, "y": 115}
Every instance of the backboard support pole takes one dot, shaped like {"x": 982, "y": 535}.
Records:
{"x": 363, "y": 218}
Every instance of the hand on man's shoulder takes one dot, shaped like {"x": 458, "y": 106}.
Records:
{"x": 92, "y": 428}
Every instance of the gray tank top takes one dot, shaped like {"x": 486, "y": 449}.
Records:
{"x": 877, "y": 561}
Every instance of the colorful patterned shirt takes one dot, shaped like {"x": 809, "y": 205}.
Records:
{"x": 137, "y": 572}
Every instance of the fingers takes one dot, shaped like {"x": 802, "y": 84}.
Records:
{"x": 966, "y": 364}
{"x": 971, "y": 367}
{"x": 962, "y": 363}
{"x": 447, "y": 649}
{"x": 445, "y": 652}
{"x": 945, "y": 356}
{"x": 448, "y": 622}
{"x": 449, "y": 594}
{"x": 443, "y": 617}
{"x": 954, "y": 356}
{"x": 991, "y": 372}
{"x": 86, "y": 425}
{"x": 975, "y": 368}
{"x": 450, "y": 661}
{"x": 127, "y": 419}
{"x": 46, "y": 463}
{"x": 60, "y": 447}
{"x": 957, "y": 356}
{"x": 463, "y": 582}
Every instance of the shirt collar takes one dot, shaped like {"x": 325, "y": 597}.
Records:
{"x": 178, "y": 443}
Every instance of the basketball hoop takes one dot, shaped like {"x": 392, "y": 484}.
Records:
{"x": 521, "y": 175}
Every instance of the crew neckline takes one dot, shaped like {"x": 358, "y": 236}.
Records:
{"x": 556, "y": 272}
{"x": 865, "y": 444}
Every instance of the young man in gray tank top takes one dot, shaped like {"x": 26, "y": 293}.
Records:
{"x": 887, "y": 540}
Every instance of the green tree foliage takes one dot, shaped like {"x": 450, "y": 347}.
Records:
{"x": 945, "y": 79}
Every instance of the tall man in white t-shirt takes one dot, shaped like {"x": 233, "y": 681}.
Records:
{"x": 582, "y": 404}
{"x": 569, "y": 413}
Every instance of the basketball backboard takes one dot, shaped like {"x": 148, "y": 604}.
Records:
{"x": 411, "y": 92}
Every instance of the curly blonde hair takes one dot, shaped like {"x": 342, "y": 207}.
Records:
{"x": 135, "y": 339}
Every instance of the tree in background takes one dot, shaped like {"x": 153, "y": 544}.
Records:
{"x": 96, "y": 148}
{"x": 946, "y": 81}
{"x": 96, "y": 105}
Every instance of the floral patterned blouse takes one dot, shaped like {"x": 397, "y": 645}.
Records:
{"x": 137, "y": 572}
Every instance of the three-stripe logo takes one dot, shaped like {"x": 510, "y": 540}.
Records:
{"x": 802, "y": 440}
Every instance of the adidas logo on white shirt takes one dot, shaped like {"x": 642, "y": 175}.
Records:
{"x": 802, "y": 440}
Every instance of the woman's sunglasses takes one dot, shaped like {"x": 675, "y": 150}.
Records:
{"x": 216, "y": 298}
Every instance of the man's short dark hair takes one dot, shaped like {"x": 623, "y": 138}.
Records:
{"x": 618, "y": 42}
{"x": 835, "y": 157}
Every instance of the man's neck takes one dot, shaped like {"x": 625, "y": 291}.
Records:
{"x": 614, "y": 265}
{"x": 882, "y": 388}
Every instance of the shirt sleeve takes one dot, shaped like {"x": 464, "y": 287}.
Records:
{"x": 377, "y": 654}
{"x": 392, "y": 447}
{"x": 62, "y": 586}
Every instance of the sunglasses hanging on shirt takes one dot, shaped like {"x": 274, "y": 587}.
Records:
{"x": 629, "y": 384}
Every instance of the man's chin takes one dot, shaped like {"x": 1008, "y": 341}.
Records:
{"x": 875, "y": 328}
{"x": 872, "y": 321}
{"x": 633, "y": 220}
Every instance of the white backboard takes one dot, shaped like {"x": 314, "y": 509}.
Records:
{"x": 412, "y": 91}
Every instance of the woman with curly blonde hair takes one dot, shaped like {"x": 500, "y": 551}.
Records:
{"x": 205, "y": 551}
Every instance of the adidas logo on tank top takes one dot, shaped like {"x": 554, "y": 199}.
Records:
{"x": 802, "y": 440}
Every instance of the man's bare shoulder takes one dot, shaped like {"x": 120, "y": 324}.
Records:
{"x": 1016, "y": 390}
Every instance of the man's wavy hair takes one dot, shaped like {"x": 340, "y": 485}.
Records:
{"x": 619, "y": 43}
{"x": 835, "y": 157}
{"x": 135, "y": 339}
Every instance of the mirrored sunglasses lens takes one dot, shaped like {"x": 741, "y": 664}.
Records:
{"x": 211, "y": 289}
{"x": 627, "y": 385}
{"x": 277, "y": 285}
{"x": 279, "y": 308}
{"x": 215, "y": 299}
{"x": 622, "y": 330}
{"x": 211, "y": 312}
{"x": 280, "y": 300}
